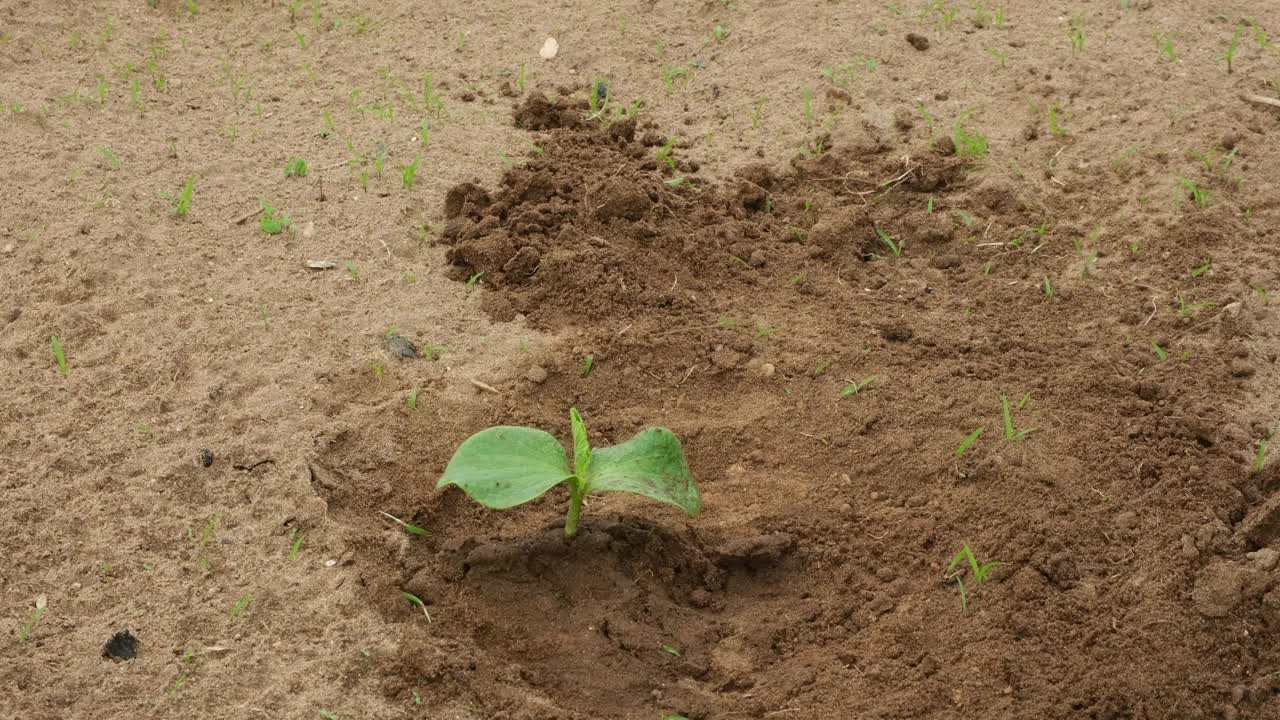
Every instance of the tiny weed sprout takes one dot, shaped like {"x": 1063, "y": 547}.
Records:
{"x": 183, "y": 202}
{"x": 410, "y": 171}
{"x": 297, "y": 167}
{"x": 978, "y": 571}
{"x": 808, "y": 107}
{"x": 969, "y": 143}
{"x": 853, "y": 388}
{"x": 586, "y": 365}
{"x": 664, "y": 153}
{"x": 1185, "y": 310}
{"x": 1010, "y": 433}
{"x": 1055, "y": 124}
{"x": 1230, "y": 55}
{"x": 1047, "y": 287}
{"x": 1160, "y": 352}
{"x": 411, "y": 400}
{"x": 598, "y": 102}
{"x": 297, "y": 544}
{"x": 475, "y": 278}
{"x": 240, "y": 606}
{"x": 520, "y": 79}
{"x": 58, "y": 355}
{"x": 112, "y": 160}
{"x": 409, "y": 528}
{"x": 887, "y": 239}
{"x": 415, "y": 600}
{"x": 1260, "y": 457}
{"x": 1164, "y": 45}
{"x": 272, "y": 222}
{"x": 1188, "y": 188}
{"x": 969, "y": 441}
{"x": 1202, "y": 268}
{"x": 1077, "y": 33}
{"x": 502, "y": 467}
{"x": 24, "y": 632}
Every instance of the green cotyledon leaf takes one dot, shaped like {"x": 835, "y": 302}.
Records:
{"x": 581, "y": 446}
{"x": 504, "y": 466}
{"x": 651, "y": 464}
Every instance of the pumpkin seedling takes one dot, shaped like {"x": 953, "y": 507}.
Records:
{"x": 502, "y": 467}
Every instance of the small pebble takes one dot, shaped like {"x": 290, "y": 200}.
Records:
{"x": 206, "y": 457}
{"x": 918, "y": 41}
{"x": 1266, "y": 558}
{"x": 401, "y": 347}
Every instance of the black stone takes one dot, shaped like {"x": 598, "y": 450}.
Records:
{"x": 122, "y": 646}
{"x": 206, "y": 457}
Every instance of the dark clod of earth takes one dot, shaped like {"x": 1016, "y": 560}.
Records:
{"x": 206, "y": 457}
{"x": 401, "y": 347}
{"x": 918, "y": 41}
{"x": 122, "y": 646}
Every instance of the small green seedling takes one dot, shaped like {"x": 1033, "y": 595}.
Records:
{"x": 1077, "y": 33}
{"x": 968, "y": 143}
{"x": 853, "y": 388}
{"x": 297, "y": 167}
{"x": 808, "y": 107}
{"x": 598, "y": 102}
{"x": 1009, "y": 432}
{"x": 113, "y": 160}
{"x": 408, "y": 527}
{"x": 1160, "y": 352}
{"x": 969, "y": 441}
{"x": 298, "y": 535}
{"x": 411, "y": 400}
{"x": 410, "y": 171}
{"x": 1230, "y": 55}
{"x": 1047, "y": 287}
{"x": 895, "y": 247}
{"x": 415, "y": 600}
{"x": 272, "y": 222}
{"x": 1164, "y": 44}
{"x": 183, "y": 203}
{"x": 1185, "y": 310}
{"x": 664, "y": 153}
{"x": 979, "y": 571}
{"x": 240, "y": 606}
{"x": 1088, "y": 266}
{"x": 520, "y": 79}
{"x": 1055, "y": 122}
{"x": 671, "y": 650}
{"x": 474, "y": 278}
{"x": 1188, "y": 188}
{"x": 328, "y": 715}
{"x": 24, "y": 632}
{"x": 1260, "y": 457}
{"x": 502, "y": 467}
{"x": 1202, "y": 268}
{"x": 58, "y": 355}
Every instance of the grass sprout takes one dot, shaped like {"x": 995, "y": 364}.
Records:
{"x": 1010, "y": 433}
{"x": 58, "y": 355}
{"x": 969, "y": 441}
{"x": 854, "y": 387}
{"x": 409, "y": 528}
{"x": 977, "y": 571}
{"x": 895, "y": 247}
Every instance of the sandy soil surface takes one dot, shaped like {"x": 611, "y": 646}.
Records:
{"x": 904, "y": 278}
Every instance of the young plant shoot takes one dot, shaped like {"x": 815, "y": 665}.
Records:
{"x": 502, "y": 467}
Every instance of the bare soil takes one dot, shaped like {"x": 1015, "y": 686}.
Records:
{"x": 215, "y": 469}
